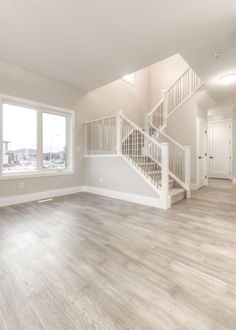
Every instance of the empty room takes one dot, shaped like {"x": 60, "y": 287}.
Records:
{"x": 117, "y": 165}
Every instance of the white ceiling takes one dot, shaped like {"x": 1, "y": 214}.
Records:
{"x": 87, "y": 43}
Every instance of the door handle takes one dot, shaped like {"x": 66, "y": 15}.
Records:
{"x": 211, "y": 157}
{"x": 199, "y": 157}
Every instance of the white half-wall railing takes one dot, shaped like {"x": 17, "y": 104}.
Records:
{"x": 178, "y": 93}
{"x": 179, "y": 159}
{"x": 101, "y": 136}
{"x": 118, "y": 135}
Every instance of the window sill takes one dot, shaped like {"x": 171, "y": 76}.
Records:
{"x": 36, "y": 174}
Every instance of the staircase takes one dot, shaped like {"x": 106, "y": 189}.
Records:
{"x": 162, "y": 162}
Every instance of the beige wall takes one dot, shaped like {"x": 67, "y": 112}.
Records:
{"x": 182, "y": 126}
{"x": 162, "y": 75}
{"x": 117, "y": 96}
{"x": 24, "y": 84}
{"x": 113, "y": 173}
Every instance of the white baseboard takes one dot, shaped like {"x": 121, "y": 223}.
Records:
{"x": 19, "y": 199}
{"x": 133, "y": 198}
{"x": 138, "y": 199}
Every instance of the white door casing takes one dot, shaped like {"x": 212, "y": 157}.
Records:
{"x": 202, "y": 146}
{"x": 220, "y": 149}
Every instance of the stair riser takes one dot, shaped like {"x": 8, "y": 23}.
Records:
{"x": 178, "y": 197}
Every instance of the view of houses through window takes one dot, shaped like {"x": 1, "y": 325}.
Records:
{"x": 20, "y": 147}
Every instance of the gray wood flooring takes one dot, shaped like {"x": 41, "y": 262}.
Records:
{"x": 88, "y": 262}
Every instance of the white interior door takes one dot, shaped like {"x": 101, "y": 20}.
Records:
{"x": 220, "y": 149}
{"x": 202, "y": 153}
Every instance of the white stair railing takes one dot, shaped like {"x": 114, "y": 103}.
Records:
{"x": 187, "y": 84}
{"x": 178, "y": 93}
{"x": 157, "y": 117}
{"x": 101, "y": 138}
{"x": 118, "y": 135}
{"x": 179, "y": 159}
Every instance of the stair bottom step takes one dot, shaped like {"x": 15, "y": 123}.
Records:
{"x": 177, "y": 194}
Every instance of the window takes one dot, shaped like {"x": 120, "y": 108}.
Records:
{"x": 19, "y": 139}
{"x": 129, "y": 78}
{"x": 35, "y": 140}
{"x": 54, "y": 141}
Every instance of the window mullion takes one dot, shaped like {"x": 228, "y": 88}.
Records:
{"x": 40, "y": 140}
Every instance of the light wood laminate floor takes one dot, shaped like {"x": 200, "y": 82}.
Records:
{"x": 88, "y": 262}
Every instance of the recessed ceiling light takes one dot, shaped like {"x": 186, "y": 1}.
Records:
{"x": 228, "y": 79}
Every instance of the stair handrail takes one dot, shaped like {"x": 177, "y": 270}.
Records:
{"x": 158, "y": 131}
{"x": 179, "y": 169}
{"x": 151, "y": 139}
{"x": 157, "y": 106}
{"x": 178, "y": 79}
{"x": 193, "y": 84}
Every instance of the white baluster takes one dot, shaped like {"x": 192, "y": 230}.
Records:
{"x": 118, "y": 133}
{"x": 165, "y": 175}
{"x": 188, "y": 170}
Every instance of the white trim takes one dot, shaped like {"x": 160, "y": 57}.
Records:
{"x": 233, "y": 180}
{"x": 198, "y": 122}
{"x": 100, "y": 119}
{"x": 133, "y": 198}
{"x": 19, "y": 199}
{"x": 34, "y": 174}
{"x": 101, "y": 156}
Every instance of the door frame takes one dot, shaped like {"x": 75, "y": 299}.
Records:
{"x": 231, "y": 147}
{"x": 199, "y": 121}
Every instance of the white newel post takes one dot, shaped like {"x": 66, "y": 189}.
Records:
{"x": 188, "y": 170}
{"x": 118, "y": 132}
{"x": 165, "y": 175}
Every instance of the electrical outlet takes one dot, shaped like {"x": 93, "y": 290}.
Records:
{"x": 21, "y": 185}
